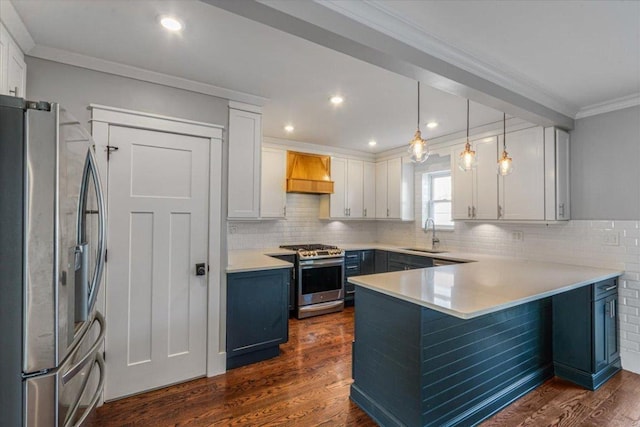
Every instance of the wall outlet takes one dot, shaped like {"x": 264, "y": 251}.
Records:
{"x": 233, "y": 229}
{"x": 611, "y": 238}
{"x": 517, "y": 236}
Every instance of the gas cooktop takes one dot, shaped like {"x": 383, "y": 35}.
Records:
{"x": 315, "y": 251}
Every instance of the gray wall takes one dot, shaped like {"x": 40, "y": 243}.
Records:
{"x": 605, "y": 166}
{"x": 75, "y": 88}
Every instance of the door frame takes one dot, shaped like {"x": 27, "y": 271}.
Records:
{"x": 102, "y": 117}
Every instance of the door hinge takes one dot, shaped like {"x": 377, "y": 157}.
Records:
{"x": 111, "y": 148}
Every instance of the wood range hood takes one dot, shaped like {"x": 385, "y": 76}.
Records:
{"x": 308, "y": 173}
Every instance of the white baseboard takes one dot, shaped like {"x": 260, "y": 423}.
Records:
{"x": 630, "y": 361}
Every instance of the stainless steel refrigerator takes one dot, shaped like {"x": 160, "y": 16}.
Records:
{"x": 52, "y": 254}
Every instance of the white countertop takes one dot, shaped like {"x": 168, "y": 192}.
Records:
{"x": 477, "y": 288}
{"x": 256, "y": 259}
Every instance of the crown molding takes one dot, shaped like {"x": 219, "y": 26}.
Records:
{"x": 118, "y": 69}
{"x": 375, "y": 14}
{"x": 12, "y": 21}
{"x": 608, "y": 106}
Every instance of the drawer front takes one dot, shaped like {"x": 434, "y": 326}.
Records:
{"x": 352, "y": 256}
{"x": 351, "y": 269}
{"x": 605, "y": 288}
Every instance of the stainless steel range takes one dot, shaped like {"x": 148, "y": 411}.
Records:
{"x": 320, "y": 279}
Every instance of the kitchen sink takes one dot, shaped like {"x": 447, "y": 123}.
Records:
{"x": 428, "y": 251}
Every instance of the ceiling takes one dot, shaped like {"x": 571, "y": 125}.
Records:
{"x": 552, "y": 46}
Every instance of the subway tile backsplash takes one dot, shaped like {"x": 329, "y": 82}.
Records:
{"x": 607, "y": 244}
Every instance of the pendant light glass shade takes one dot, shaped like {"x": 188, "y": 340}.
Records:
{"x": 505, "y": 163}
{"x": 418, "y": 147}
{"x": 467, "y": 159}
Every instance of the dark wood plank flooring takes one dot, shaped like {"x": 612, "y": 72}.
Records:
{"x": 308, "y": 385}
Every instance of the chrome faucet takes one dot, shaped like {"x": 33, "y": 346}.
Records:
{"x": 434, "y": 240}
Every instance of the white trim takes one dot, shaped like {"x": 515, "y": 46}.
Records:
{"x": 12, "y": 21}
{"x": 379, "y": 16}
{"x": 115, "y": 68}
{"x": 307, "y": 147}
{"x": 245, "y": 107}
{"x": 608, "y": 106}
{"x": 630, "y": 361}
{"x": 102, "y": 117}
{"x": 142, "y": 120}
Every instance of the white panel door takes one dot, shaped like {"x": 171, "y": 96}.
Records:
{"x": 273, "y": 192}
{"x": 354, "y": 188}
{"x": 381, "y": 190}
{"x": 245, "y": 143}
{"x": 462, "y": 188}
{"x": 522, "y": 192}
{"x": 485, "y": 204}
{"x": 156, "y": 304}
{"x": 369, "y": 190}
{"x": 394, "y": 188}
{"x": 337, "y": 200}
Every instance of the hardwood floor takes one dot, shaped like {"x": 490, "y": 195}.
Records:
{"x": 308, "y": 385}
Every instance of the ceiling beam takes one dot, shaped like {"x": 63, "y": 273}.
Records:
{"x": 316, "y": 23}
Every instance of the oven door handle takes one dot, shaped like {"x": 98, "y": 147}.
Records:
{"x": 304, "y": 265}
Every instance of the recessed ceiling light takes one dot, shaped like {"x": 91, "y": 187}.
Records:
{"x": 289, "y": 128}
{"x": 432, "y": 125}
{"x": 336, "y": 100}
{"x": 171, "y": 23}
{"x": 372, "y": 143}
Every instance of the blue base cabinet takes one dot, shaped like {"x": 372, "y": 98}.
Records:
{"x": 357, "y": 263}
{"x": 413, "y": 366}
{"x": 257, "y": 315}
{"x": 585, "y": 334}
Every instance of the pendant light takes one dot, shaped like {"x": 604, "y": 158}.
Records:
{"x": 418, "y": 147}
{"x": 505, "y": 163}
{"x": 467, "y": 159}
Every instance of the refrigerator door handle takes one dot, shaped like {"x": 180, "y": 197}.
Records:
{"x": 94, "y": 400}
{"x": 81, "y": 255}
{"x": 91, "y": 170}
{"x": 72, "y": 371}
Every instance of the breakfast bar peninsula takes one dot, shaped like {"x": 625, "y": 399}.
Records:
{"x": 452, "y": 345}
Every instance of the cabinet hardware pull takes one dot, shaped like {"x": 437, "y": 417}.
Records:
{"x": 473, "y": 211}
{"x": 499, "y": 211}
{"x": 14, "y": 92}
{"x": 387, "y": 212}
{"x": 468, "y": 211}
{"x": 284, "y": 210}
{"x": 365, "y": 211}
{"x": 610, "y": 288}
{"x": 561, "y": 210}
{"x": 612, "y": 311}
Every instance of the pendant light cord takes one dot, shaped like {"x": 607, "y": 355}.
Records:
{"x": 504, "y": 131}
{"x": 418, "y": 104}
{"x": 467, "y": 120}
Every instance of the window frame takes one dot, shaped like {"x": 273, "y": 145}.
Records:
{"x": 430, "y": 202}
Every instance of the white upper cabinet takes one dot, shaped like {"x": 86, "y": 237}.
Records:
{"x": 475, "y": 192}
{"x": 369, "y": 190}
{"x": 347, "y": 198}
{"x": 245, "y": 140}
{"x": 536, "y": 190}
{"x": 521, "y": 193}
{"x": 394, "y": 189}
{"x": 556, "y": 175}
{"x": 273, "y": 193}
{"x": 13, "y": 70}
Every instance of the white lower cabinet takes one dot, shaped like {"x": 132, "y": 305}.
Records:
{"x": 347, "y": 200}
{"x": 394, "y": 189}
{"x": 521, "y": 193}
{"x": 273, "y": 185}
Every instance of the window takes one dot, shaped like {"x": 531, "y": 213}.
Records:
{"x": 436, "y": 198}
